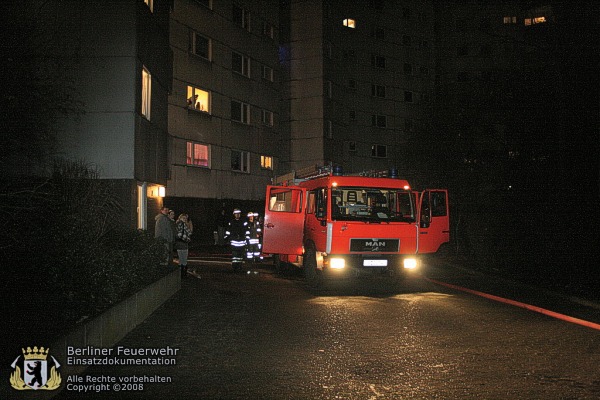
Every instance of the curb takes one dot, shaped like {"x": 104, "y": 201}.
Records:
{"x": 114, "y": 324}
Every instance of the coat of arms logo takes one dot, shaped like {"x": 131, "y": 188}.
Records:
{"x": 37, "y": 373}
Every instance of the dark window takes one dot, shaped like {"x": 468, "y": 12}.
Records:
{"x": 378, "y": 61}
{"x": 201, "y": 46}
{"x": 462, "y": 51}
{"x": 378, "y": 33}
{"x": 378, "y": 90}
{"x": 438, "y": 204}
{"x": 376, "y": 4}
{"x": 205, "y": 3}
{"x": 379, "y": 121}
{"x": 379, "y": 151}
{"x": 241, "y": 17}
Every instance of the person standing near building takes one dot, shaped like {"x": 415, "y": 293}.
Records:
{"x": 163, "y": 230}
{"x": 185, "y": 228}
{"x": 222, "y": 224}
{"x": 236, "y": 234}
{"x": 253, "y": 234}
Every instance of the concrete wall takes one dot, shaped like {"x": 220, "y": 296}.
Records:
{"x": 114, "y": 324}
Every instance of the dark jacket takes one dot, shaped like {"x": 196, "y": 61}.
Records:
{"x": 163, "y": 228}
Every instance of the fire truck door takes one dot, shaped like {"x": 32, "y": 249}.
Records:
{"x": 283, "y": 229}
{"x": 434, "y": 220}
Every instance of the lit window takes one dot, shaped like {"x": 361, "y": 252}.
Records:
{"x": 240, "y": 64}
{"x": 267, "y": 118}
{"x": 150, "y": 4}
{"x": 267, "y": 73}
{"x": 379, "y": 151}
{"x": 509, "y": 20}
{"x": 378, "y": 90}
{"x": 201, "y": 46}
{"x": 197, "y": 155}
{"x": 539, "y": 20}
{"x": 198, "y": 99}
{"x": 379, "y": 121}
{"x": 240, "y": 161}
{"x": 240, "y": 112}
{"x": 146, "y": 93}
{"x": 241, "y": 17}
{"x": 266, "y": 162}
{"x": 350, "y": 23}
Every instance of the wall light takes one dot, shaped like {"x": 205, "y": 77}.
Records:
{"x": 161, "y": 191}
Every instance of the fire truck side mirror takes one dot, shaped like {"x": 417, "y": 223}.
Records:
{"x": 425, "y": 219}
{"x": 320, "y": 213}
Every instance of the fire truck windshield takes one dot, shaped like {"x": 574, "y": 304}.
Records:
{"x": 372, "y": 204}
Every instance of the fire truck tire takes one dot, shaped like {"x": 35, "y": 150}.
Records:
{"x": 310, "y": 266}
{"x": 279, "y": 266}
{"x": 396, "y": 275}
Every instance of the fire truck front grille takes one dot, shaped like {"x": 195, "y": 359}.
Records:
{"x": 374, "y": 245}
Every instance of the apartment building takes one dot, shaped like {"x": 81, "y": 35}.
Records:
{"x": 115, "y": 55}
{"x": 225, "y": 105}
{"x": 499, "y": 88}
{"x": 361, "y": 78}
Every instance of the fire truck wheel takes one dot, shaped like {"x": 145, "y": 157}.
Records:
{"x": 396, "y": 275}
{"x": 310, "y": 266}
{"x": 279, "y": 267}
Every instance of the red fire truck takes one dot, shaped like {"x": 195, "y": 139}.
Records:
{"x": 331, "y": 223}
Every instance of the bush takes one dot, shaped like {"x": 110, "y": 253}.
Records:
{"x": 67, "y": 258}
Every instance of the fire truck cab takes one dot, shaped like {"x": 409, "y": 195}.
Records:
{"x": 331, "y": 223}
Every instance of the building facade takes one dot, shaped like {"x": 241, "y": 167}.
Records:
{"x": 122, "y": 73}
{"x": 360, "y": 82}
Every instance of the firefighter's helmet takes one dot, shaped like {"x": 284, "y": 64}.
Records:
{"x": 236, "y": 211}
{"x": 250, "y": 214}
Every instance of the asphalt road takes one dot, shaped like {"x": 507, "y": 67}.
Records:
{"x": 263, "y": 336}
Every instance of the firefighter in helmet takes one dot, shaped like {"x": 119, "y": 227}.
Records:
{"x": 253, "y": 236}
{"x": 236, "y": 235}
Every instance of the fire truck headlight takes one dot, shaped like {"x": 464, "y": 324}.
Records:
{"x": 410, "y": 263}
{"x": 337, "y": 263}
